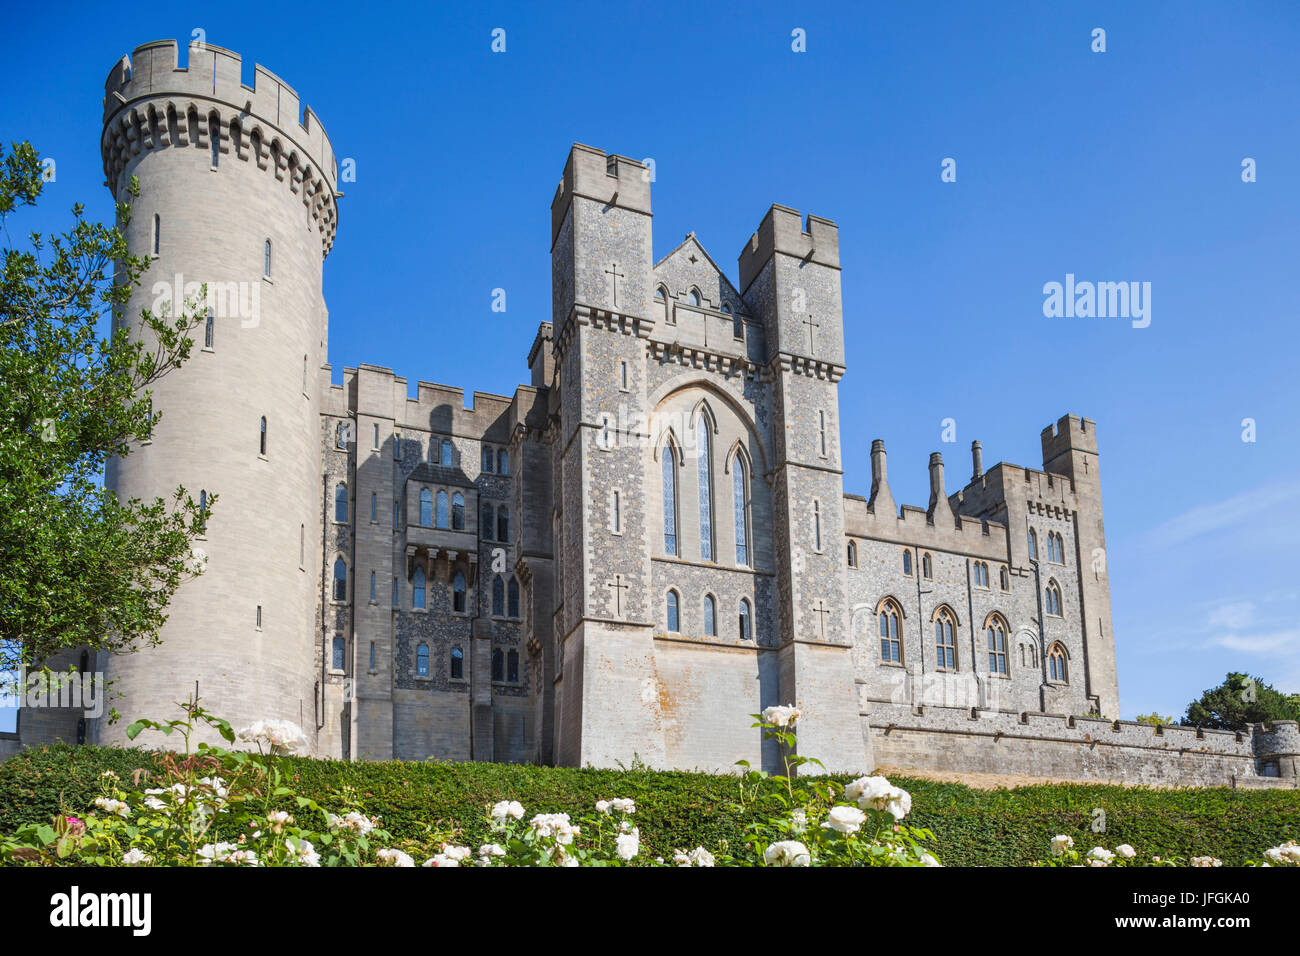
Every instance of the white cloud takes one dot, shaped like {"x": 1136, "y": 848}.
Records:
{"x": 1235, "y": 616}
{"x": 1268, "y": 642}
{"x": 1229, "y": 514}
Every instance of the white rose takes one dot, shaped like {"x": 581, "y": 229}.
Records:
{"x": 1099, "y": 856}
{"x": 388, "y": 857}
{"x": 135, "y": 856}
{"x": 701, "y": 857}
{"x": 1126, "y": 851}
{"x": 602, "y": 806}
{"x": 508, "y": 808}
{"x": 1061, "y": 843}
{"x": 845, "y": 819}
{"x": 787, "y": 853}
{"x": 628, "y": 845}
{"x": 782, "y": 716}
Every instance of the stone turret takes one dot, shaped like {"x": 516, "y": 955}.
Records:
{"x": 238, "y": 193}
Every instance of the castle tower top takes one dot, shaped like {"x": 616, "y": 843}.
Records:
{"x": 151, "y": 102}
{"x": 607, "y": 178}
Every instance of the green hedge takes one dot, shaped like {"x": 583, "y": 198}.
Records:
{"x": 971, "y": 827}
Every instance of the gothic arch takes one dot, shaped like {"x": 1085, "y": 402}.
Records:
{"x": 945, "y": 608}
{"x": 738, "y": 449}
{"x": 665, "y": 393}
{"x": 898, "y": 605}
{"x": 702, "y": 407}
{"x": 668, "y": 437}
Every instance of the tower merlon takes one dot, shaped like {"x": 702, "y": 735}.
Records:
{"x": 782, "y": 230}
{"x": 211, "y": 77}
{"x": 1069, "y": 435}
{"x": 603, "y": 177}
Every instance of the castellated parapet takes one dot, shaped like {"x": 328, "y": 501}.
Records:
{"x": 151, "y": 102}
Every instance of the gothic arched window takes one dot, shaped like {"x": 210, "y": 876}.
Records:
{"x": 512, "y": 667}
{"x": 498, "y": 597}
{"x": 817, "y": 525}
{"x": 1052, "y": 599}
{"x": 458, "y": 593}
{"x": 457, "y": 664}
{"x": 498, "y": 665}
{"x": 417, "y": 588}
{"x": 503, "y": 461}
{"x": 503, "y": 524}
{"x": 261, "y": 438}
{"x": 907, "y": 562}
{"x": 746, "y": 625}
{"x": 340, "y": 580}
{"x": 704, "y": 474}
{"x": 214, "y": 133}
{"x": 945, "y": 640}
{"x": 927, "y": 567}
{"x": 458, "y": 512}
{"x": 672, "y": 619}
{"x": 341, "y": 503}
{"x": 891, "y": 646}
{"x": 661, "y": 305}
{"x": 445, "y": 455}
{"x": 1004, "y": 579}
{"x": 488, "y": 459}
{"x": 995, "y": 632}
{"x": 340, "y": 653}
{"x": 422, "y": 659}
{"x": 669, "y": 467}
{"x": 740, "y": 496}
{"x": 710, "y": 616}
{"x": 210, "y": 335}
{"x": 853, "y": 554}
{"x": 485, "y": 521}
{"x": 426, "y": 508}
{"x": 1033, "y": 544}
{"x": 512, "y": 598}
{"x": 1056, "y": 665}
{"x": 266, "y": 259}
{"x": 443, "y": 512}
{"x": 694, "y": 297}
{"x": 157, "y": 233}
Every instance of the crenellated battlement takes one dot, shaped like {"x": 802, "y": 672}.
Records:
{"x": 981, "y": 740}
{"x": 151, "y": 102}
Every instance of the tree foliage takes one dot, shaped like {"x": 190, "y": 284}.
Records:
{"x": 1238, "y": 701}
{"x": 78, "y": 566}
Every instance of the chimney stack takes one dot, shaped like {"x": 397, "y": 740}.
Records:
{"x": 977, "y": 459}
{"x": 881, "y": 500}
{"x": 938, "y": 498}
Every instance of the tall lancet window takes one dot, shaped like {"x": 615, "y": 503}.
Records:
{"x": 670, "y": 499}
{"x": 740, "y": 492}
{"x": 705, "y": 475}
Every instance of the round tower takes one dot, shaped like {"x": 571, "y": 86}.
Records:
{"x": 238, "y": 191}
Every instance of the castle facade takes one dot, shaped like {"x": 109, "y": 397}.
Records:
{"x": 623, "y": 560}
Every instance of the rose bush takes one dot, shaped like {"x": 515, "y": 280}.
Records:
{"x": 212, "y": 806}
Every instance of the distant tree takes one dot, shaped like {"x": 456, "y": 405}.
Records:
{"x": 78, "y": 566}
{"x": 1155, "y": 719}
{"x": 1238, "y": 701}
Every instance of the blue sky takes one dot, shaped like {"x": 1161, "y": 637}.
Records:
{"x": 1122, "y": 165}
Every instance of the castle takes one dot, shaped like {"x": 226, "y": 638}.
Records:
{"x": 625, "y": 559}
